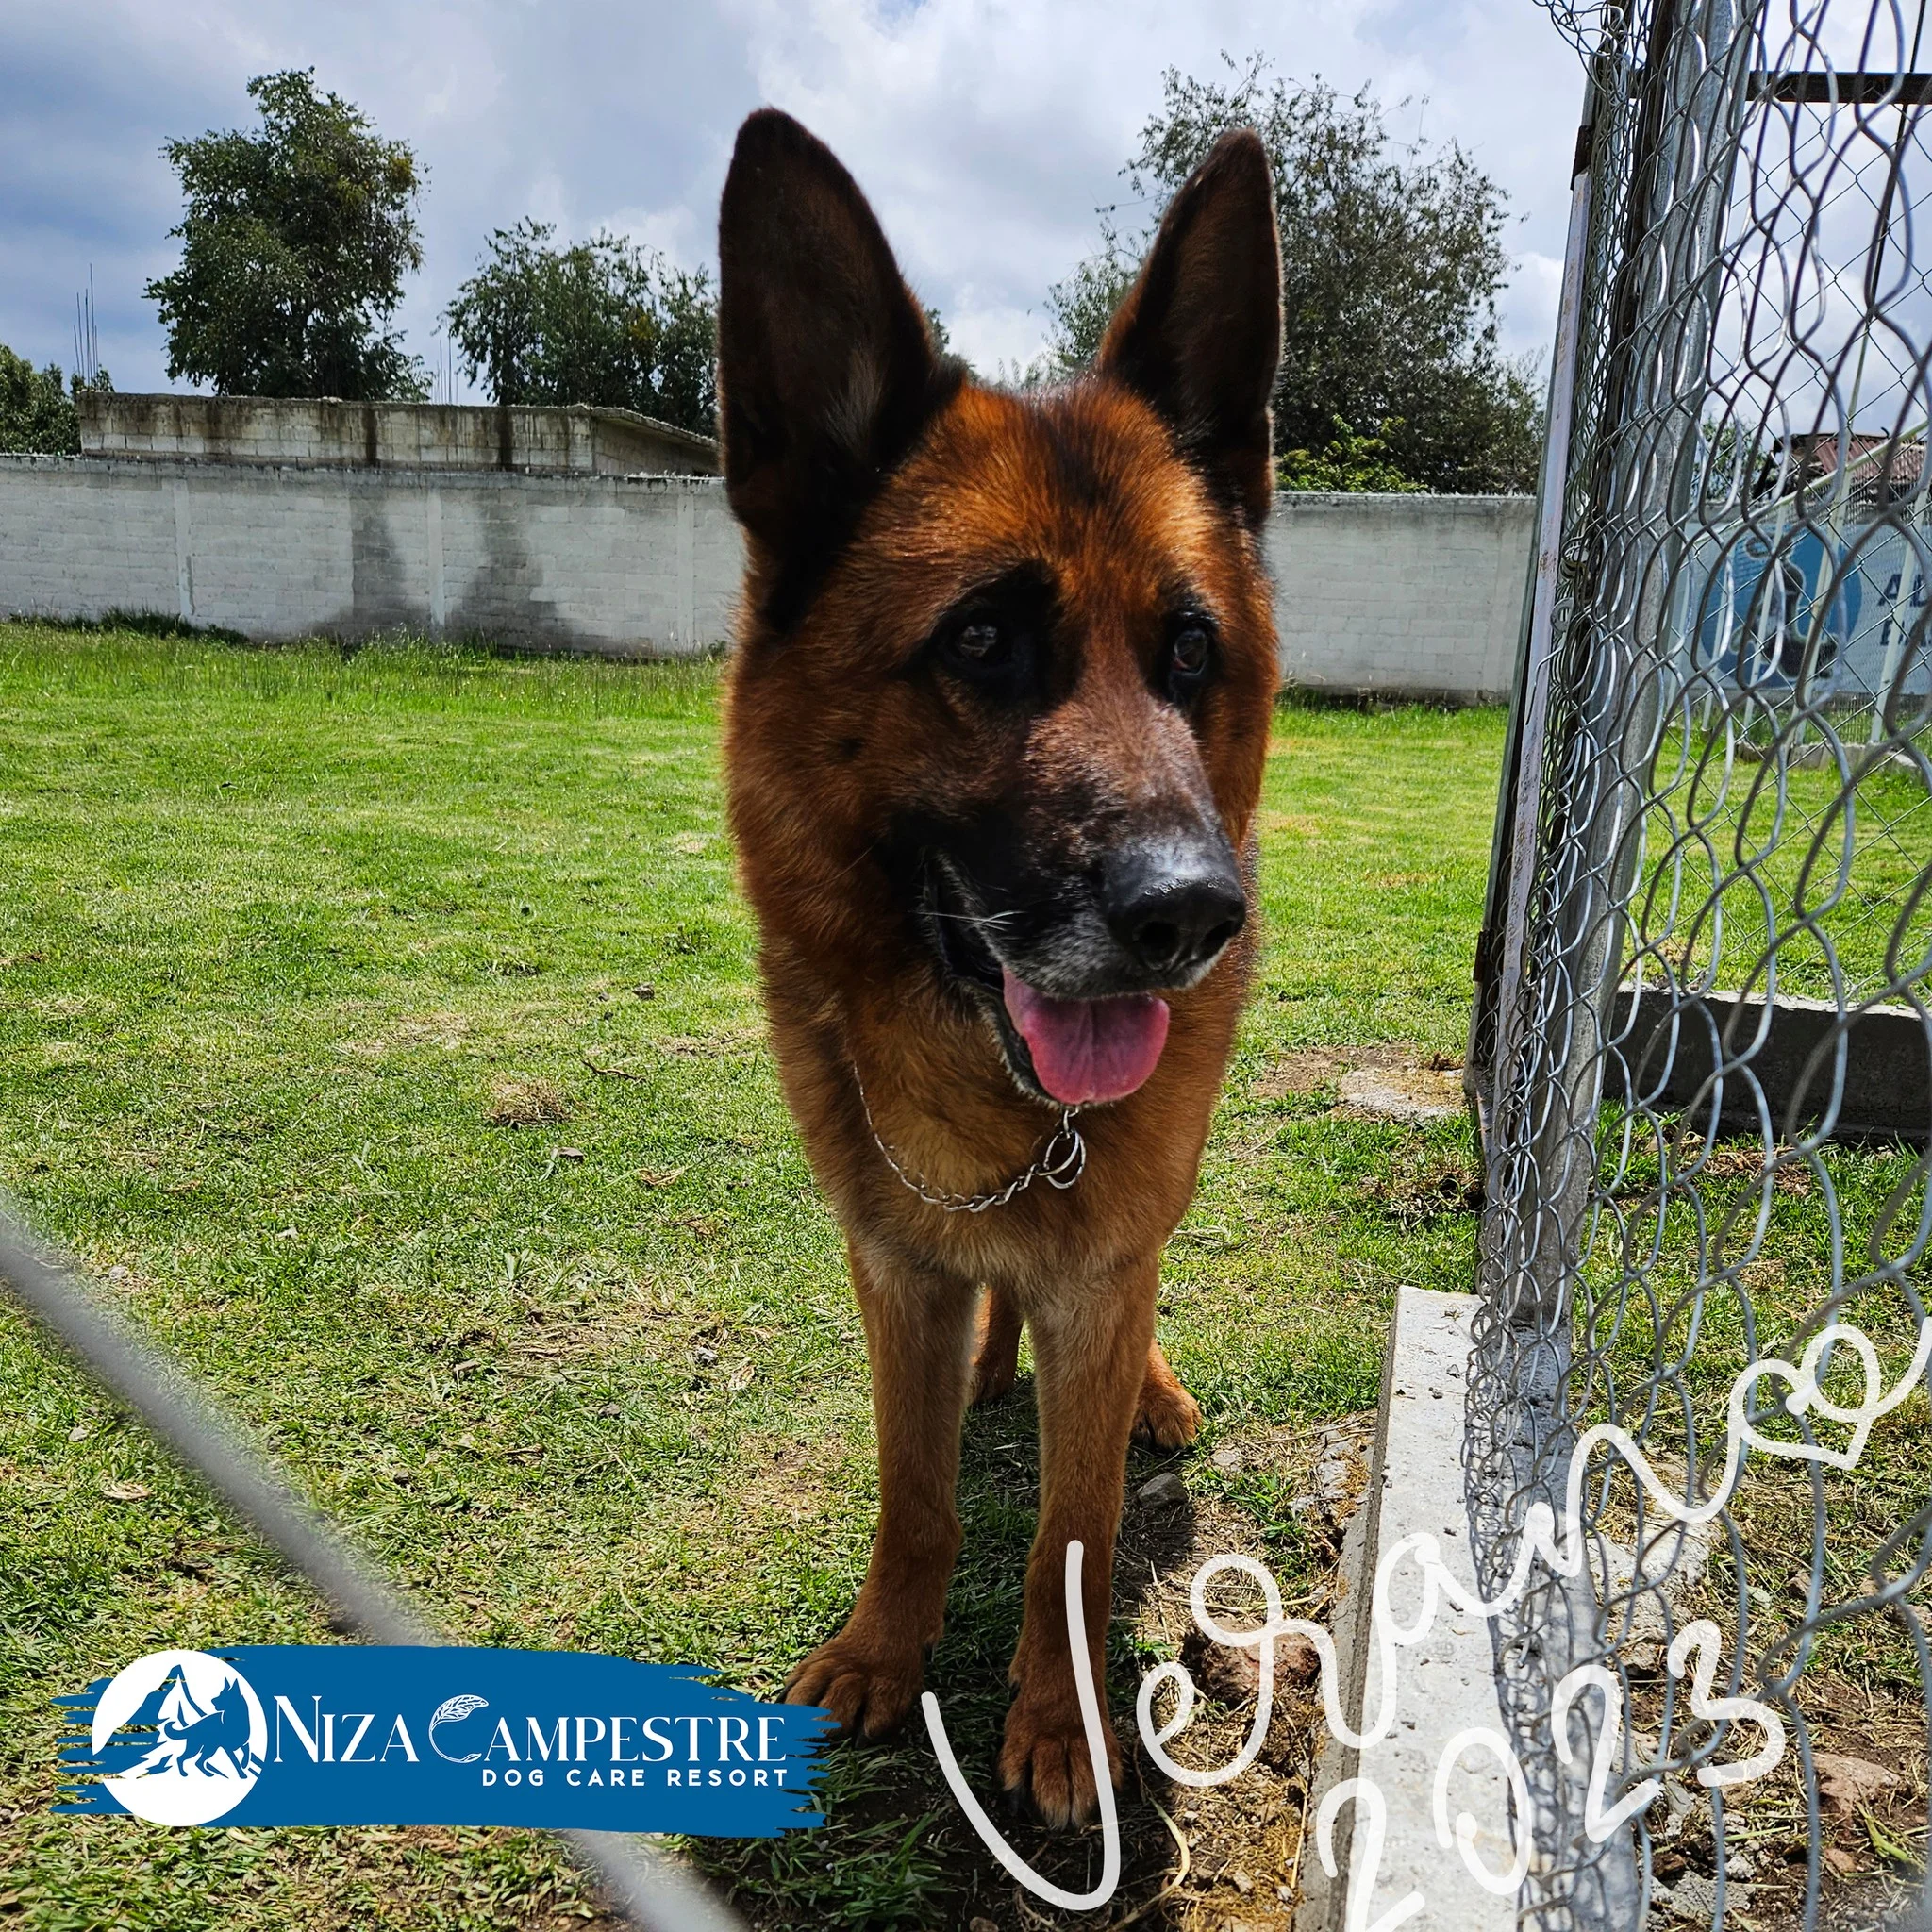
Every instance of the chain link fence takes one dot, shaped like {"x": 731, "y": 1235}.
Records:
{"x": 1702, "y": 1051}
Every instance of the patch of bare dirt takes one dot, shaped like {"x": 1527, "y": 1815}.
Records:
{"x": 787, "y": 1479}
{"x": 1863, "y": 1714}
{"x": 1388, "y": 1082}
{"x": 1308, "y": 1070}
{"x": 1402, "y": 1093}
{"x": 1236, "y": 1853}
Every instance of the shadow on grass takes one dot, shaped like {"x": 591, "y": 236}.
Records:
{"x": 401, "y": 640}
{"x": 143, "y": 624}
{"x": 897, "y": 1850}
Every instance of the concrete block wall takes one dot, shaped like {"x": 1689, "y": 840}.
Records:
{"x": 642, "y": 566}
{"x": 444, "y": 436}
{"x": 1394, "y": 597}
{"x": 1400, "y": 596}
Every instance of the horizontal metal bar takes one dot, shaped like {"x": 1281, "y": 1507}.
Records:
{"x": 1822, "y": 88}
{"x": 652, "y": 1895}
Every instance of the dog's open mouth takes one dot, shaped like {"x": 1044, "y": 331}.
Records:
{"x": 1076, "y": 1052}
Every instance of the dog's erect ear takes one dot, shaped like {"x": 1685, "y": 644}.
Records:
{"x": 1199, "y": 335}
{"x": 827, "y": 371}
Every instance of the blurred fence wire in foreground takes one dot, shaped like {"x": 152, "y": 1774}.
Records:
{"x": 1702, "y": 1050}
{"x": 649, "y": 1893}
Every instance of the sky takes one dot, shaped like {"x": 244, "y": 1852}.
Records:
{"x": 985, "y": 132}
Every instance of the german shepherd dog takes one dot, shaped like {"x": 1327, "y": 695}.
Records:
{"x": 998, "y": 713}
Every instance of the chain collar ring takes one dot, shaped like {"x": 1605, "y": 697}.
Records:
{"x": 1060, "y": 1163}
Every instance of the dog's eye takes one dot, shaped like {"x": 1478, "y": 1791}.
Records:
{"x": 981, "y": 645}
{"x": 1190, "y": 649}
{"x": 1189, "y": 655}
{"x": 980, "y": 642}
{"x": 989, "y": 646}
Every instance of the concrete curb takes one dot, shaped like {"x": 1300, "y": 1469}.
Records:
{"x": 1672, "y": 1043}
{"x": 1447, "y": 1680}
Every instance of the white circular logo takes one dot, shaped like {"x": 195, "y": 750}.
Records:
{"x": 198, "y": 1728}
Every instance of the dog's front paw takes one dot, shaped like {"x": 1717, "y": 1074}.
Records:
{"x": 994, "y": 1376}
{"x": 868, "y": 1686}
{"x": 1166, "y": 1416}
{"x": 996, "y": 1351}
{"x": 1045, "y": 1759}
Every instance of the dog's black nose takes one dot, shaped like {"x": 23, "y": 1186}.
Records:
{"x": 1173, "y": 906}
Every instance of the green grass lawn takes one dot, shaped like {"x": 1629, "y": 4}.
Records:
{"x": 1737, "y": 841}
{"x": 284, "y": 936}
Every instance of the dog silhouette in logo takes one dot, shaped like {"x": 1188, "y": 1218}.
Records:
{"x": 189, "y": 1741}
{"x": 224, "y": 1726}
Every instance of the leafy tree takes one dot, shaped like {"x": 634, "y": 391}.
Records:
{"x": 1350, "y": 462}
{"x": 293, "y": 248}
{"x": 36, "y": 406}
{"x": 602, "y": 322}
{"x": 1391, "y": 263}
{"x": 1083, "y": 305}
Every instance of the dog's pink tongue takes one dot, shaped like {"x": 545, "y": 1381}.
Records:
{"x": 1089, "y": 1049}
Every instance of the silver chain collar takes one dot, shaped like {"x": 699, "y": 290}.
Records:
{"x": 1060, "y": 1163}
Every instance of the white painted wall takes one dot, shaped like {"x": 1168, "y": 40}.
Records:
{"x": 643, "y": 566}
{"x": 1389, "y": 595}
{"x": 1401, "y": 596}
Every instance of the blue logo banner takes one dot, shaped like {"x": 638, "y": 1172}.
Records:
{"x": 340, "y": 1734}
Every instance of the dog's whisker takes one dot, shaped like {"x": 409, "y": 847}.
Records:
{"x": 987, "y": 922}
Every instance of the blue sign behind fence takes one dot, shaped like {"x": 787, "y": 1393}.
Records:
{"x": 338, "y": 1733}
{"x": 1762, "y": 614}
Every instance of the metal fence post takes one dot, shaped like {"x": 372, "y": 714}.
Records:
{"x": 1693, "y": 614}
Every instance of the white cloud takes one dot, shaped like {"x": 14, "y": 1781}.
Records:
{"x": 990, "y": 336}
{"x": 1533, "y": 289}
{"x": 985, "y": 130}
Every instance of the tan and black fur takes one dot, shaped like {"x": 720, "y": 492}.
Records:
{"x": 919, "y": 812}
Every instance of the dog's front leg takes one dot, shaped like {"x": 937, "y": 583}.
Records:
{"x": 1091, "y": 1356}
{"x": 919, "y": 1336}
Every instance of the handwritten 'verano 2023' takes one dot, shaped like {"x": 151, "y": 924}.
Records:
{"x": 1695, "y": 1653}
